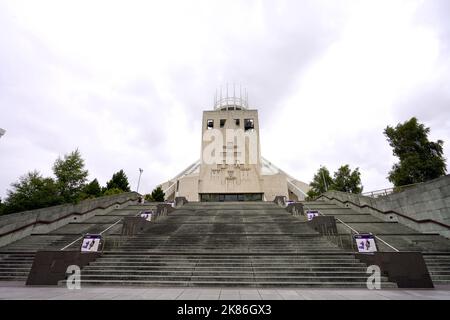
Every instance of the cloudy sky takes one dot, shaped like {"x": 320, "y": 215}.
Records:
{"x": 126, "y": 82}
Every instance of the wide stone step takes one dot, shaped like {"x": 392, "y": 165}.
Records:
{"x": 15, "y": 268}
{"x": 441, "y": 282}
{"x": 240, "y": 265}
{"x": 186, "y": 249}
{"x": 212, "y": 248}
{"x": 221, "y": 273}
{"x": 439, "y": 277}
{"x": 113, "y": 268}
{"x": 14, "y": 278}
{"x": 16, "y": 262}
{"x": 250, "y": 284}
{"x": 437, "y": 264}
{"x": 225, "y": 241}
{"x": 4, "y": 273}
{"x": 17, "y": 256}
{"x": 227, "y": 244}
{"x": 438, "y": 268}
{"x": 231, "y": 278}
{"x": 440, "y": 272}
{"x": 231, "y": 260}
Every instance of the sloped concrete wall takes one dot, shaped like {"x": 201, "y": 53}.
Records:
{"x": 425, "y": 207}
{"x": 21, "y": 224}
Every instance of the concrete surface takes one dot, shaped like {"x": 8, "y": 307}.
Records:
{"x": 13, "y": 291}
{"x": 18, "y": 225}
{"x": 428, "y": 200}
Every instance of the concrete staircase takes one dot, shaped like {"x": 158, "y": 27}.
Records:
{"x": 435, "y": 248}
{"x": 17, "y": 258}
{"x": 253, "y": 244}
{"x": 439, "y": 267}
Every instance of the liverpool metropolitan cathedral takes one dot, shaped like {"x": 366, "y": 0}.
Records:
{"x": 231, "y": 167}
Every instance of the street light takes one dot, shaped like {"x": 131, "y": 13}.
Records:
{"x": 139, "y": 180}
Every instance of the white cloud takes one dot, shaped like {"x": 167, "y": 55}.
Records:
{"x": 126, "y": 81}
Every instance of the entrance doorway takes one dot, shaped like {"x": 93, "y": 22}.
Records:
{"x": 223, "y": 197}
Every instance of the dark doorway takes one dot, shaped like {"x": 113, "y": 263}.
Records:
{"x": 223, "y": 197}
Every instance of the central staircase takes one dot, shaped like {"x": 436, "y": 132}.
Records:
{"x": 245, "y": 244}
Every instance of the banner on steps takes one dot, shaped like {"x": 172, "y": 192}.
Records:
{"x": 310, "y": 214}
{"x": 365, "y": 242}
{"x": 92, "y": 243}
{"x": 147, "y": 215}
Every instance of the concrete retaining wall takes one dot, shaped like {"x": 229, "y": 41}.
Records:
{"x": 425, "y": 207}
{"x": 21, "y": 224}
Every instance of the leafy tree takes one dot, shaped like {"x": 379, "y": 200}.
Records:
{"x": 119, "y": 180}
{"x": 318, "y": 186}
{"x": 148, "y": 197}
{"x": 420, "y": 159}
{"x": 344, "y": 180}
{"x": 91, "y": 190}
{"x": 347, "y": 181}
{"x": 1, "y": 206}
{"x": 32, "y": 191}
{"x": 70, "y": 175}
{"x": 158, "y": 195}
{"x": 112, "y": 191}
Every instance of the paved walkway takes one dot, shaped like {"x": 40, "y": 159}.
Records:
{"x": 12, "y": 290}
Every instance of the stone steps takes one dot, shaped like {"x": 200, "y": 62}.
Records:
{"x": 230, "y": 245}
{"x": 246, "y": 284}
{"x": 280, "y": 279}
{"x": 439, "y": 267}
{"x": 204, "y": 244}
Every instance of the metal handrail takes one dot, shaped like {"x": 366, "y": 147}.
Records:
{"x": 352, "y": 229}
{"x": 109, "y": 227}
{"x": 388, "y": 191}
{"x": 73, "y": 242}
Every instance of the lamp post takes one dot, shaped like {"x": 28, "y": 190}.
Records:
{"x": 139, "y": 180}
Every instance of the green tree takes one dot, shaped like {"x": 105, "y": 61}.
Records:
{"x": 322, "y": 182}
{"x": 347, "y": 181}
{"x": 158, "y": 194}
{"x": 420, "y": 159}
{"x": 112, "y": 191}
{"x": 1, "y": 206}
{"x": 32, "y": 191}
{"x": 91, "y": 190}
{"x": 119, "y": 180}
{"x": 71, "y": 175}
{"x": 148, "y": 197}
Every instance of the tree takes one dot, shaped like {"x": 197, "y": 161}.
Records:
{"x": 347, "y": 181}
{"x": 91, "y": 190}
{"x": 148, "y": 197}
{"x": 70, "y": 175}
{"x": 158, "y": 194}
{"x": 344, "y": 180}
{"x": 119, "y": 180}
{"x": 1, "y": 206}
{"x": 32, "y": 191}
{"x": 112, "y": 191}
{"x": 321, "y": 182}
{"x": 420, "y": 159}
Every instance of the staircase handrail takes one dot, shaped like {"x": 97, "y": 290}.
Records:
{"x": 387, "y": 212}
{"x": 352, "y": 229}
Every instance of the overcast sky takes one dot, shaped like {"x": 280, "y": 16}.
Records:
{"x": 126, "y": 82}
